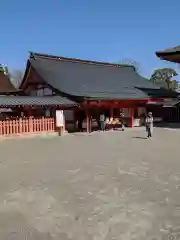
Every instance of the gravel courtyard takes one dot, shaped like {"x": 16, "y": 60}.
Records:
{"x": 100, "y": 186}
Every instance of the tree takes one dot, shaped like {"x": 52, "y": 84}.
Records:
{"x": 16, "y": 77}
{"x": 174, "y": 85}
{"x": 162, "y": 77}
{"x": 3, "y": 69}
{"x": 130, "y": 62}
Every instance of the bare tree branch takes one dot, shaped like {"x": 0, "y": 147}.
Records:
{"x": 131, "y": 62}
{"x": 16, "y": 77}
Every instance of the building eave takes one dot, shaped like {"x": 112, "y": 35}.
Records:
{"x": 171, "y": 54}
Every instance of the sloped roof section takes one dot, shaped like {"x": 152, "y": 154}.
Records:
{"x": 92, "y": 80}
{"x": 169, "y": 50}
{"x": 85, "y": 80}
{"x": 170, "y": 54}
{"x": 77, "y": 60}
{"x": 5, "y": 84}
{"x": 12, "y": 101}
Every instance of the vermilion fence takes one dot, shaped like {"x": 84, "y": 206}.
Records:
{"x": 26, "y": 126}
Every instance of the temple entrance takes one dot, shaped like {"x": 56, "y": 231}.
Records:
{"x": 89, "y": 119}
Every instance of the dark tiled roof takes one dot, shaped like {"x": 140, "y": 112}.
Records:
{"x": 5, "y": 84}
{"x": 92, "y": 79}
{"x": 77, "y": 60}
{"x": 171, "y": 54}
{"x": 160, "y": 92}
{"x": 177, "y": 104}
{"x": 169, "y": 51}
{"x": 13, "y": 101}
{"x": 171, "y": 103}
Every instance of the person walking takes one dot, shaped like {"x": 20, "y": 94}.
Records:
{"x": 149, "y": 124}
{"x": 106, "y": 123}
{"x": 102, "y": 122}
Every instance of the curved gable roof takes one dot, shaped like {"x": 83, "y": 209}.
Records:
{"x": 91, "y": 79}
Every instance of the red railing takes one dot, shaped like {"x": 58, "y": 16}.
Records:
{"x": 26, "y": 126}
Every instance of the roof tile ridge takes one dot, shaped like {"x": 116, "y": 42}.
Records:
{"x": 77, "y": 60}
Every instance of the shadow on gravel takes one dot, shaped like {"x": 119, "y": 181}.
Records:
{"x": 140, "y": 137}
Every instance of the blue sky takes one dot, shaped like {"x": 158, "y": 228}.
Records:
{"x": 96, "y": 30}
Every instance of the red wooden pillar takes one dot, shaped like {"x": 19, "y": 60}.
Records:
{"x": 132, "y": 118}
{"x": 30, "y": 120}
{"x": 87, "y": 119}
{"x": 30, "y": 112}
{"x": 111, "y": 112}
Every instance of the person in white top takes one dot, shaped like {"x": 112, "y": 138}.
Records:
{"x": 149, "y": 124}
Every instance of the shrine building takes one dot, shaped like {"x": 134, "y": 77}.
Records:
{"x": 92, "y": 87}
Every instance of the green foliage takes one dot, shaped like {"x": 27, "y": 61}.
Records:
{"x": 3, "y": 69}
{"x": 162, "y": 77}
{"x": 174, "y": 84}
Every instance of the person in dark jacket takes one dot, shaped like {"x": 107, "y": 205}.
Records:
{"x": 102, "y": 122}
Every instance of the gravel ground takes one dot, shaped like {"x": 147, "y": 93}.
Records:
{"x": 101, "y": 186}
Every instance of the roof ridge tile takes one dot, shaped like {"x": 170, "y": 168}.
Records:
{"x": 77, "y": 60}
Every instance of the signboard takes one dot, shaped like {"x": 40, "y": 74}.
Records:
{"x": 126, "y": 112}
{"x": 59, "y": 118}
